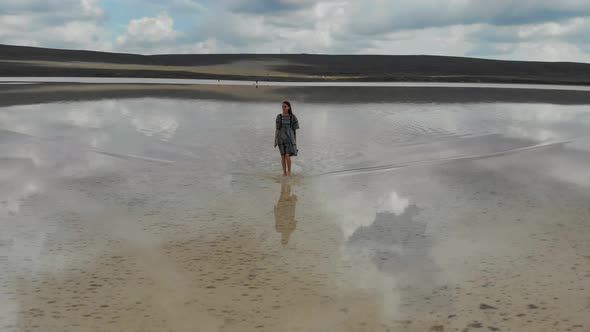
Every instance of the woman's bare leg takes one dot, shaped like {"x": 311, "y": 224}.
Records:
{"x": 284, "y": 162}
{"x": 288, "y": 157}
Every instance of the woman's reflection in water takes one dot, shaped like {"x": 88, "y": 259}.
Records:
{"x": 285, "y": 222}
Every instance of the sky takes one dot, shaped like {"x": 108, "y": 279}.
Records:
{"x": 544, "y": 30}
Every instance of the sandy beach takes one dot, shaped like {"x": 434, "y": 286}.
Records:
{"x": 162, "y": 208}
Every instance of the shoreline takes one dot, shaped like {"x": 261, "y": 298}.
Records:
{"x": 41, "y": 72}
{"x": 18, "y": 94}
{"x": 311, "y": 83}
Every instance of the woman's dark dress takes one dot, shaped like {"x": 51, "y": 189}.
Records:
{"x": 287, "y": 124}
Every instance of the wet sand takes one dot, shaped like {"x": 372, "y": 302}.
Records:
{"x": 58, "y": 92}
{"x": 169, "y": 214}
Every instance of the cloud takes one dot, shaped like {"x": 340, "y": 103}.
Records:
{"x": 547, "y": 41}
{"x": 173, "y": 5}
{"x": 77, "y": 34}
{"x": 575, "y": 29}
{"x": 156, "y": 35}
{"x": 267, "y": 6}
{"x": 148, "y": 30}
{"x": 91, "y": 8}
{"x": 534, "y": 30}
{"x": 524, "y": 30}
{"x": 21, "y": 30}
{"x": 62, "y": 24}
{"x": 307, "y": 28}
{"x": 84, "y": 7}
{"x": 382, "y": 17}
{"x": 53, "y": 11}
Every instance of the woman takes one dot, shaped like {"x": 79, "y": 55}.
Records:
{"x": 286, "y": 137}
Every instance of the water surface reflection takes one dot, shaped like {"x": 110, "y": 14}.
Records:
{"x": 94, "y": 195}
{"x": 284, "y": 211}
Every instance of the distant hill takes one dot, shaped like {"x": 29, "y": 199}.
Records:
{"x": 33, "y": 61}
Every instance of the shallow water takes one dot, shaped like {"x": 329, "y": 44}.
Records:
{"x": 171, "y": 215}
{"x": 186, "y": 81}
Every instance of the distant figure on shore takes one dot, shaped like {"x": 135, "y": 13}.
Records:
{"x": 285, "y": 222}
{"x": 286, "y": 136}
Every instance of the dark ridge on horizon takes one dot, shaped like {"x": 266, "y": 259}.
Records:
{"x": 15, "y": 52}
{"x": 434, "y": 68}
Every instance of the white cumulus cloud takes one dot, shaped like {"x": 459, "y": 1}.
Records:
{"x": 505, "y": 29}
{"x": 50, "y": 23}
{"x": 147, "y": 31}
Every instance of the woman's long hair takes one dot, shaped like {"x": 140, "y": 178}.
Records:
{"x": 289, "y": 104}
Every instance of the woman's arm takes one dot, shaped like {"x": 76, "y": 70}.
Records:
{"x": 295, "y": 126}
{"x": 277, "y": 126}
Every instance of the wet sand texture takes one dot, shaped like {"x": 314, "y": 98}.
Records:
{"x": 56, "y": 92}
{"x": 170, "y": 214}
